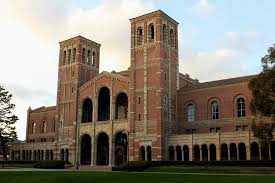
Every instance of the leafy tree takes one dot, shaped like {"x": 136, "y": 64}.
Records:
{"x": 269, "y": 60}
{"x": 262, "y": 131}
{"x": 7, "y": 120}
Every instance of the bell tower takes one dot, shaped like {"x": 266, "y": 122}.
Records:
{"x": 153, "y": 84}
{"x": 78, "y": 63}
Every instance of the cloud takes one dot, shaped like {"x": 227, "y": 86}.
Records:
{"x": 203, "y": 5}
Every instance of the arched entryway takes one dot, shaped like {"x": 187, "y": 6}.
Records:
{"x": 224, "y": 152}
{"x": 142, "y": 153}
{"x": 62, "y": 155}
{"x": 121, "y": 147}
{"x": 104, "y": 104}
{"x": 254, "y": 151}
{"x": 264, "y": 151}
{"x": 102, "y": 149}
{"x": 242, "y": 151}
{"x": 171, "y": 153}
{"x": 179, "y": 153}
{"x": 149, "y": 153}
{"x": 204, "y": 152}
{"x": 121, "y": 106}
{"x": 233, "y": 151}
{"x": 272, "y": 149}
{"x": 212, "y": 151}
{"x": 196, "y": 153}
{"x": 185, "y": 153}
{"x": 87, "y": 111}
{"x": 85, "y": 152}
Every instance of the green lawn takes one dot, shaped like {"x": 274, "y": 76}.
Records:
{"x": 115, "y": 177}
{"x": 216, "y": 170}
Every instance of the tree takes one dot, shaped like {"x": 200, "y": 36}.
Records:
{"x": 262, "y": 131}
{"x": 7, "y": 120}
{"x": 269, "y": 60}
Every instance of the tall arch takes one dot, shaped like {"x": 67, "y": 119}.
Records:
{"x": 185, "y": 150}
{"x": 151, "y": 32}
{"x": 142, "y": 153}
{"x": 149, "y": 153}
{"x": 104, "y": 104}
{"x": 121, "y": 148}
{"x": 254, "y": 151}
{"x": 242, "y": 151}
{"x": 196, "y": 153}
{"x": 212, "y": 151}
{"x": 102, "y": 149}
{"x": 179, "y": 153}
{"x": 171, "y": 153}
{"x": 264, "y": 151}
{"x": 233, "y": 151}
{"x": 87, "y": 111}
{"x": 204, "y": 152}
{"x": 224, "y": 152}
{"x": 121, "y": 106}
{"x": 85, "y": 150}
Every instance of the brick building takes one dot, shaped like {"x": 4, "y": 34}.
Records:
{"x": 149, "y": 112}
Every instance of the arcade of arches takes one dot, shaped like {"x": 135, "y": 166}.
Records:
{"x": 230, "y": 151}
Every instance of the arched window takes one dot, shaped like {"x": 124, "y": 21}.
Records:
{"x": 69, "y": 56}
{"x": 241, "y": 107}
{"x": 83, "y": 55}
{"x": 190, "y": 112}
{"x": 53, "y": 126}
{"x": 215, "y": 110}
{"x": 74, "y": 54}
{"x": 88, "y": 57}
{"x": 139, "y": 117}
{"x": 165, "y": 100}
{"x": 93, "y": 59}
{"x": 151, "y": 33}
{"x": 43, "y": 128}
{"x": 164, "y": 33}
{"x": 33, "y": 128}
{"x": 64, "y": 57}
{"x": 138, "y": 100}
{"x": 172, "y": 38}
{"x": 139, "y": 36}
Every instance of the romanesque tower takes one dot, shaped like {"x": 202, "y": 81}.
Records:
{"x": 153, "y": 84}
{"x": 78, "y": 63}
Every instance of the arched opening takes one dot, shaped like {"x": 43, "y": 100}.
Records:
{"x": 185, "y": 153}
{"x": 102, "y": 149}
{"x": 121, "y": 106}
{"x": 104, "y": 104}
{"x": 33, "y": 128}
{"x": 64, "y": 58}
{"x": 142, "y": 153}
{"x": 43, "y": 129}
{"x": 204, "y": 152}
{"x": 34, "y": 155}
{"x": 139, "y": 36}
{"x": 254, "y": 151}
{"x": 42, "y": 155}
{"x": 88, "y": 61}
{"x": 264, "y": 151}
{"x": 69, "y": 56}
{"x": 51, "y": 154}
{"x": 151, "y": 34}
{"x": 38, "y": 155}
{"x": 190, "y": 112}
{"x": 47, "y": 155}
{"x": 74, "y": 54}
{"x": 87, "y": 111}
{"x": 171, "y": 153}
{"x": 212, "y": 151}
{"x": 23, "y": 154}
{"x": 67, "y": 155}
{"x": 179, "y": 153}
{"x": 233, "y": 151}
{"x": 241, "y": 107}
{"x": 62, "y": 155}
{"x": 121, "y": 146}
{"x": 83, "y": 55}
{"x": 149, "y": 153}
{"x": 214, "y": 110}
{"x": 224, "y": 152}
{"x": 85, "y": 152}
{"x": 93, "y": 59}
{"x": 27, "y": 155}
{"x": 172, "y": 38}
{"x": 272, "y": 150}
{"x": 30, "y": 155}
{"x": 196, "y": 153}
{"x": 242, "y": 151}
{"x": 164, "y": 33}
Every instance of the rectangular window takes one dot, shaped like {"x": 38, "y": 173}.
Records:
{"x": 212, "y": 130}
{"x": 218, "y": 130}
{"x": 194, "y": 131}
{"x": 238, "y": 128}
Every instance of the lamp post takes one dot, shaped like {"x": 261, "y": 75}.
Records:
{"x": 127, "y": 142}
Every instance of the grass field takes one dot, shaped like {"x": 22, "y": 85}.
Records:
{"x": 119, "y": 177}
{"x": 216, "y": 170}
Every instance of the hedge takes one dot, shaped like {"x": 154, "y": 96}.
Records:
{"x": 46, "y": 164}
{"x": 142, "y": 165}
{"x": 18, "y": 162}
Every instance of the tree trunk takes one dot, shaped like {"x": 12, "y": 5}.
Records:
{"x": 2, "y": 144}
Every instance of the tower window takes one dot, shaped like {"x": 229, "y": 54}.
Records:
{"x": 215, "y": 110}
{"x": 69, "y": 56}
{"x": 93, "y": 59}
{"x": 43, "y": 129}
{"x": 138, "y": 100}
{"x": 139, "y": 36}
{"x": 190, "y": 113}
{"x": 139, "y": 117}
{"x": 74, "y": 54}
{"x": 33, "y": 128}
{"x": 88, "y": 57}
{"x": 64, "y": 57}
{"x": 151, "y": 34}
{"x": 164, "y": 76}
{"x": 164, "y": 33}
{"x": 83, "y": 55}
{"x": 172, "y": 38}
{"x": 241, "y": 107}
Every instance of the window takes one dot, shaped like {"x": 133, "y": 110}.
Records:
{"x": 88, "y": 57}
{"x": 93, "y": 59}
{"x": 83, "y": 55}
{"x": 33, "y": 127}
{"x": 241, "y": 107}
{"x": 139, "y": 117}
{"x": 69, "y": 56}
{"x": 43, "y": 129}
{"x": 165, "y": 100}
{"x": 151, "y": 34}
{"x": 61, "y": 124}
{"x": 64, "y": 57}
{"x": 172, "y": 38}
{"x": 190, "y": 113}
{"x": 138, "y": 100}
{"x": 74, "y": 54}
{"x": 238, "y": 128}
{"x": 215, "y": 110}
{"x": 164, "y": 33}
{"x": 72, "y": 89}
{"x": 139, "y": 36}
{"x": 215, "y": 130}
{"x": 164, "y": 76}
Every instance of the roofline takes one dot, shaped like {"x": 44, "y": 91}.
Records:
{"x": 153, "y": 12}
{"x": 79, "y": 37}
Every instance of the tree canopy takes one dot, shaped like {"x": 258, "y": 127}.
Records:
{"x": 268, "y": 60}
{"x": 7, "y": 120}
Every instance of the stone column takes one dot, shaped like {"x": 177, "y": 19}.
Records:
{"x": 190, "y": 154}
{"x": 218, "y": 153}
{"x": 110, "y": 151}
{"x": 238, "y": 155}
{"x": 260, "y": 153}
{"x": 269, "y": 151}
{"x": 175, "y": 154}
{"x": 92, "y": 151}
{"x": 95, "y": 109}
{"x": 200, "y": 154}
{"x": 182, "y": 154}
{"x": 247, "y": 148}
{"x": 228, "y": 153}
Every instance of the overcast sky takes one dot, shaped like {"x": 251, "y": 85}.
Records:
{"x": 217, "y": 39}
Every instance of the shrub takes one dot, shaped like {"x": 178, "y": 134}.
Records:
{"x": 50, "y": 164}
{"x": 18, "y": 162}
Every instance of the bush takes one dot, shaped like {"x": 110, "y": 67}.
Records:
{"x": 18, "y": 162}
{"x": 142, "y": 165}
{"x": 50, "y": 164}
